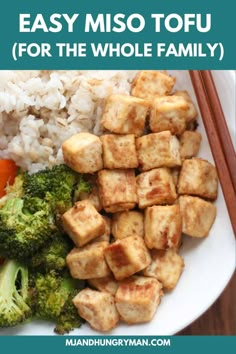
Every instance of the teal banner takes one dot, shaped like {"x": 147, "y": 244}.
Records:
{"x": 100, "y": 344}
{"x": 91, "y": 34}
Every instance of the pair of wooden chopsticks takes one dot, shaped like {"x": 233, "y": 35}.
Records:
{"x": 218, "y": 135}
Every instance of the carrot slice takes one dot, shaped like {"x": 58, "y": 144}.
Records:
{"x": 8, "y": 170}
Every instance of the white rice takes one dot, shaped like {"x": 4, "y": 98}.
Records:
{"x": 41, "y": 109}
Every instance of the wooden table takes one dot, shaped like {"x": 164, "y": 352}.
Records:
{"x": 220, "y": 319}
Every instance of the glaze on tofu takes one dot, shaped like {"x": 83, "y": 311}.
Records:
{"x": 107, "y": 234}
{"x": 117, "y": 190}
{"x": 107, "y": 284}
{"x": 191, "y": 114}
{"x": 127, "y": 223}
{"x": 189, "y": 144}
{"x": 168, "y": 113}
{"x": 166, "y": 267}
{"x": 125, "y": 114}
{"x": 198, "y": 177}
{"x": 155, "y": 187}
{"x": 137, "y": 299}
{"x": 83, "y": 153}
{"x": 127, "y": 256}
{"x": 162, "y": 226}
{"x": 158, "y": 150}
{"x": 83, "y": 223}
{"x": 97, "y": 308}
{"x": 88, "y": 261}
{"x": 198, "y": 215}
{"x": 151, "y": 83}
{"x": 119, "y": 151}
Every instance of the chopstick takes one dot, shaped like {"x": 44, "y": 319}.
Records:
{"x": 221, "y": 125}
{"x": 219, "y": 153}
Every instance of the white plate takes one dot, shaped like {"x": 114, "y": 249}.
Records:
{"x": 209, "y": 263}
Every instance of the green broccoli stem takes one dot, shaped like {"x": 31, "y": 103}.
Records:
{"x": 14, "y": 206}
{"x": 10, "y": 271}
{"x": 13, "y": 294}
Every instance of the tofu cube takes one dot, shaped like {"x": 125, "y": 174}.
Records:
{"x": 83, "y": 223}
{"x": 198, "y": 216}
{"x": 125, "y": 114}
{"x": 166, "y": 267}
{"x": 198, "y": 177}
{"x": 155, "y": 187}
{"x": 107, "y": 234}
{"x": 83, "y": 153}
{"x": 117, "y": 190}
{"x": 127, "y": 223}
{"x": 119, "y": 151}
{"x": 97, "y": 308}
{"x": 137, "y": 299}
{"x": 151, "y": 83}
{"x": 88, "y": 261}
{"x": 107, "y": 284}
{"x": 168, "y": 113}
{"x": 162, "y": 226}
{"x": 191, "y": 114}
{"x": 189, "y": 144}
{"x": 127, "y": 256}
{"x": 158, "y": 150}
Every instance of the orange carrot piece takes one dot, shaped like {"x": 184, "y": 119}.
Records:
{"x": 8, "y": 170}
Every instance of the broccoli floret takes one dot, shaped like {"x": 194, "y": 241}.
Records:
{"x": 52, "y": 291}
{"x": 52, "y": 296}
{"x": 25, "y": 226}
{"x": 55, "y": 185}
{"x": 69, "y": 318}
{"x": 13, "y": 294}
{"x": 81, "y": 187}
{"x": 53, "y": 255}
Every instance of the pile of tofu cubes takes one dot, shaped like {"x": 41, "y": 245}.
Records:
{"x": 148, "y": 189}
